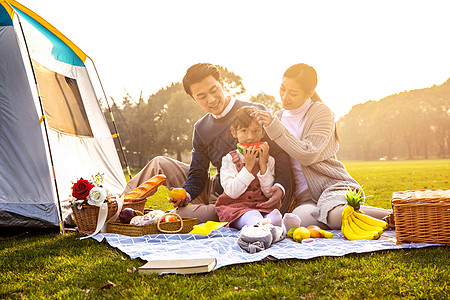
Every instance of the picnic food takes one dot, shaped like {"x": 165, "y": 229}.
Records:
{"x": 126, "y": 215}
{"x": 177, "y": 193}
{"x": 145, "y": 188}
{"x": 354, "y": 199}
{"x": 300, "y": 234}
{"x": 314, "y": 230}
{"x": 326, "y": 234}
{"x": 358, "y": 226}
{"x": 290, "y": 233}
{"x": 242, "y": 146}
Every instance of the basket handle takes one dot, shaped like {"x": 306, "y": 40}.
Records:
{"x": 170, "y": 231}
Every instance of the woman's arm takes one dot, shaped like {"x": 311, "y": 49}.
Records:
{"x": 234, "y": 183}
{"x": 315, "y": 140}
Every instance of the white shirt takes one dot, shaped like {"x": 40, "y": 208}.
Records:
{"x": 294, "y": 120}
{"x": 227, "y": 109}
{"x": 235, "y": 183}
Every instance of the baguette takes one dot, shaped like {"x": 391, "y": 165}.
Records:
{"x": 143, "y": 190}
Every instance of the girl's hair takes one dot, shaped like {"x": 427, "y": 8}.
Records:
{"x": 197, "y": 73}
{"x": 242, "y": 117}
{"x": 306, "y": 77}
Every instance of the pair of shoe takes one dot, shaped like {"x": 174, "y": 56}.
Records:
{"x": 260, "y": 237}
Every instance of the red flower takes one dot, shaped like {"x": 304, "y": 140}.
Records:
{"x": 81, "y": 189}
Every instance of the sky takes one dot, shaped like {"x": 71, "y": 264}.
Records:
{"x": 361, "y": 50}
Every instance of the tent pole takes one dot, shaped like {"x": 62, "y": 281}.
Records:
{"x": 61, "y": 221}
{"x": 113, "y": 120}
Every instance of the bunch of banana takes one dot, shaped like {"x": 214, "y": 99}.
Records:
{"x": 358, "y": 226}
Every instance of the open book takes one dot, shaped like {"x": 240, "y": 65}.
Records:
{"x": 179, "y": 266}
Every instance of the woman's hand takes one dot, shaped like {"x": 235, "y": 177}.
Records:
{"x": 263, "y": 117}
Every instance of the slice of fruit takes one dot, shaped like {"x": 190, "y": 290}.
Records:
{"x": 242, "y": 146}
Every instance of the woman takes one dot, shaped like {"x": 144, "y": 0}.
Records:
{"x": 306, "y": 130}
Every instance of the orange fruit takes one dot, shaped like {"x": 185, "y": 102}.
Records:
{"x": 314, "y": 230}
{"x": 177, "y": 194}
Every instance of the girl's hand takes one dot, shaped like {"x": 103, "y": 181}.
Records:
{"x": 250, "y": 158}
{"x": 263, "y": 117}
{"x": 263, "y": 157}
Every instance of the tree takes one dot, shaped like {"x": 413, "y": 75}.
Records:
{"x": 232, "y": 83}
{"x": 268, "y": 101}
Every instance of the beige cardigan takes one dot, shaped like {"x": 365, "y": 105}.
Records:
{"x": 316, "y": 150}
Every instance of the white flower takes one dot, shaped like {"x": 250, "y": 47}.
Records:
{"x": 96, "y": 196}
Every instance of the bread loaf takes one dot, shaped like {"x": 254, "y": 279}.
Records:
{"x": 146, "y": 188}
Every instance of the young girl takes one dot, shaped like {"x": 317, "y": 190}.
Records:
{"x": 246, "y": 178}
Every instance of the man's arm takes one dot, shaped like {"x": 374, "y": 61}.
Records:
{"x": 198, "y": 170}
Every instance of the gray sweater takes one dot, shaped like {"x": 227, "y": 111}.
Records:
{"x": 316, "y": 150}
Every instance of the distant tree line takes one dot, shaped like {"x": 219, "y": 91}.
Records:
{"x": 414, "y": 124}
{"x": 408, "y": 125}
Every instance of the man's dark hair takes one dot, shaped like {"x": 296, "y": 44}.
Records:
{"x": 197, "y": 73}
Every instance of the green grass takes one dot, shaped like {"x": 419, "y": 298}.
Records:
{"x": 54, "y": 266}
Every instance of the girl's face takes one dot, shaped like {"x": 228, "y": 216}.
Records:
{"x": 292, "y": 96}
{"x": 251, "y": 134}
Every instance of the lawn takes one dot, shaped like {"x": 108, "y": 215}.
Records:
{"x": 54, "y": 266}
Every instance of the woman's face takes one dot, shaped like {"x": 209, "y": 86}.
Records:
{"x": 292, "y": 96}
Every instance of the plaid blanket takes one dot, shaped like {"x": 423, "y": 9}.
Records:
{"x": 222, "y": 244}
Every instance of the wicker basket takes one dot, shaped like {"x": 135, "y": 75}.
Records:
{"x": 86, "y": 218}
{"x": 422, "y": 216}
{"x": 185, "y": 225}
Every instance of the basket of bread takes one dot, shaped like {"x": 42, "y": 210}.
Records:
{"x": 136, "y": 223}
{"x": 91, "y": 215}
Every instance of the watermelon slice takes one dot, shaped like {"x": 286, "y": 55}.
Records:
{"x": 242, "y": 146}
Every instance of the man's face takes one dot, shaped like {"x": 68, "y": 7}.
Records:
{"x": 209, "y": 94}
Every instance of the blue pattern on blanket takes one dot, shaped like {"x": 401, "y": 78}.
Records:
{"x": 222, "y": 244}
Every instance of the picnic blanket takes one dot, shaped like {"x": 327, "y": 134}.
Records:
{"x": 222, "y": 244}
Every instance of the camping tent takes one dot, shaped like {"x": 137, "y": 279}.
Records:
{"x": 52, "y": 130}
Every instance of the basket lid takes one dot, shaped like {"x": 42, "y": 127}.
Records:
{"x": 440, "y": 194}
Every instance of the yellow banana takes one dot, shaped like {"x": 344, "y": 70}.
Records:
{"x": 358, "y": 230}
{"x": 371, "y": 220}
{"x": 348, "y": 210}
{"x": 351, "y": 235}
{"x": 366, "y": 226}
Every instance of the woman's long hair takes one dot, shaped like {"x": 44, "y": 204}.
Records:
{"x": 306, "y": 77}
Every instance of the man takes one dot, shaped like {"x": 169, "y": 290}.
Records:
{"x": 212, "y": 140}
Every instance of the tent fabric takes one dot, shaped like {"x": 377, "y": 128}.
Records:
{"x": 79, "y": 140}
{"x": 25, "y": 184}
{"x": 65, "y": 49}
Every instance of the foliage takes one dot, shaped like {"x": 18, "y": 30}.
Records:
{"x": 410, "y": 124}
{"x": 268, "y": 101}
{"x": 54, "y": 266}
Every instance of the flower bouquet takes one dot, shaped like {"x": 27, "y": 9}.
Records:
{"x": 93, "y": 207}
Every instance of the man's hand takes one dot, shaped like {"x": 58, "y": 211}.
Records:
{"x": 277, "y": 195}
{"x": 179, "y": 203}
